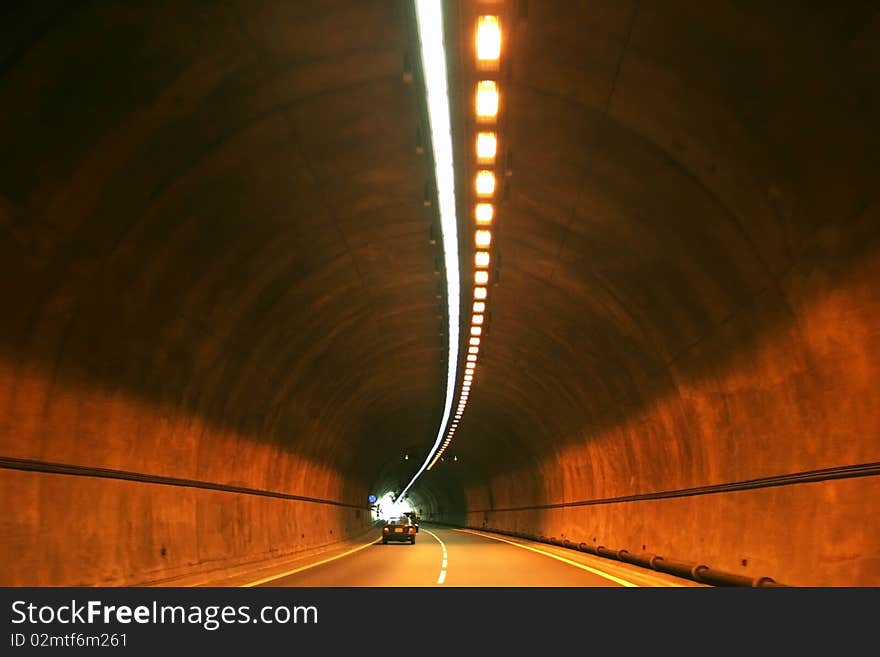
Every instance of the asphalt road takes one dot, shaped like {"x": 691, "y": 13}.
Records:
{"x": 450, "y": 557}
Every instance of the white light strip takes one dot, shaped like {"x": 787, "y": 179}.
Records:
{"x": 429, "y": 17}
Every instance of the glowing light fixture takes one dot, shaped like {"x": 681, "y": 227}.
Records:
{"x": 481, "y": 277}
{"x": 487, "y": 146}
{"x": 483, "y": 238}
{"x": 487, "y": 100}
{"x": 485, "y": 183}
{"x": 471, "y": 358}
{"x": 473, "y": 350}
{"x": 474, "y": 341}
{"x": 481, "y": 259}
{"x": 476, "y": 330}
{"x": 483, "y": 214}
{"x": 430, "y": 21}
{"x": 479, "y": 307}
{"x": 488, "y": 39}
{"x": 479, "y": 293}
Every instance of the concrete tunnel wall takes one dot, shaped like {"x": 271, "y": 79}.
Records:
{"x": 757, "y": 127}
{"x": 186, "y": 349}
{"x": 93, "y": 526}
{"x": 782, "y": 406}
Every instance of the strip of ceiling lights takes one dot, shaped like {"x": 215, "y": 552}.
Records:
{"x": 429, "y": 18}
{"x": 485, "y": 157}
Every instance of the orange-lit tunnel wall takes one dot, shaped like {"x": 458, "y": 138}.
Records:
{"x": 99, "y": 488}
{"x": 695, "y": 474}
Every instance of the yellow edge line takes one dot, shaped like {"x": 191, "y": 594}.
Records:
{"x": 311, "y": 565}
{"x": 620, "y": 581}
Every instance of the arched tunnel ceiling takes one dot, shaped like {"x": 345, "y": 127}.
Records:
{"x": 218, "y": 207}
{"x": 667, "y": 163}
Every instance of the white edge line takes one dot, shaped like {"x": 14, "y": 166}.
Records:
{"x": 311, "y": 565}
{"x": 618, "y": 580}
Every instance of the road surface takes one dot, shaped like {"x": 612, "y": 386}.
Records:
{"x": 455, "y": 557}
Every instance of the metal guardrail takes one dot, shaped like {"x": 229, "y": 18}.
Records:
{"x": 806, "y": 477}
{"x": 692, "y": 570}
{"x": 31, "y": 465}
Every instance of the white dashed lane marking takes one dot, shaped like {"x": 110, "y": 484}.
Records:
{"x": 443, "y": 567}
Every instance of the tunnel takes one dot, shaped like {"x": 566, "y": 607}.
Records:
{"x": 225, "y": 321}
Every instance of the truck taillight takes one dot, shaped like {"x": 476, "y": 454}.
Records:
{"x": 412, "y": 530}
{"x": 385, "y": 529}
